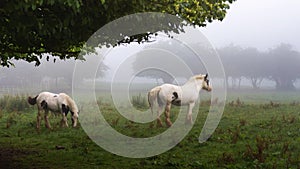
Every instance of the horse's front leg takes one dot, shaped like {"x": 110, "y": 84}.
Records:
{"x": 167, "y": 114}
{"x": 189, "y": 118}
{"x": 47, "y": 124}
{"x": 64, "y": 122}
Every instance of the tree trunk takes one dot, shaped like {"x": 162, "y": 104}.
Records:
{"x": 284, "y": 84}
{"x": 240, "y": 81}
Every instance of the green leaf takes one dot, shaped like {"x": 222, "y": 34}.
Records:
{"x": 33, "y": 7}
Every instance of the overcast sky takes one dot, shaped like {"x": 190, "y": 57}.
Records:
{"x": 258, "y": 23}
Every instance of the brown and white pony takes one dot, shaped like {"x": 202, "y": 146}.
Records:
{"x": 186, "y": 95}
{"x": 57, "y": 103}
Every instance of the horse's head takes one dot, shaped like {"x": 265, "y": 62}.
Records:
{"x": 74, "y": 118}
{"x": 73, "y": 109}
{"x": 75, "y": 113}
{"x": 204, "y": 82}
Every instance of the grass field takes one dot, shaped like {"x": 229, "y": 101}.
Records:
{"x": 257, "y": 130}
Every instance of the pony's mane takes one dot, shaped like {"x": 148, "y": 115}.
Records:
{"x": 196, "y": 77}
{"x": 71, "y": 102}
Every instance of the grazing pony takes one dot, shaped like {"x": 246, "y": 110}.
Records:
{"x": 57, "y": 103}
{"x": 169, "y": 94}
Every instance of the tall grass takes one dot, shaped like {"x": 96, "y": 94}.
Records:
{"x": 13, "y": 103}
{"x": 139, "y": 101}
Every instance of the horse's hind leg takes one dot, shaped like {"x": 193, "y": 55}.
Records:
{"x": 167, "y": 114}
{"x": 38, "y": 119}
{"x": 47, "y": 124}
{"x": 64, "y": 111}
{"x": 159, "y": 111}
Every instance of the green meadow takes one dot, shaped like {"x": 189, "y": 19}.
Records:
{"x": 257, "y": 130}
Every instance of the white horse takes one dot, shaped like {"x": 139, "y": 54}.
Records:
{"x": 56, "y": 103}
{"x": 169, "y": 94}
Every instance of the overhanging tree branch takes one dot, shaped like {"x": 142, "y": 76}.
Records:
{"x": 55, "y": 26}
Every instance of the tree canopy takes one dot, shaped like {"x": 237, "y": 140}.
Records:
{"x": 30, "y": 28}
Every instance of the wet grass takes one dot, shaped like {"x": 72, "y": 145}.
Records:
{"x": 250, "y": 135}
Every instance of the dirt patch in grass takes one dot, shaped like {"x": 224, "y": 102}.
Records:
{"x": 10, "y": 157}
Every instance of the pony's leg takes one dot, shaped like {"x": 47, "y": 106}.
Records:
{"x": 38, "y": 119}
{"x": 167, "y": 114}
{"x": 159, "y": 111}
{"x": 189, "y": 118}
{"x": 152, "y": 108}
{"x": 151, "y": 102}
{"x": 47, "y": 124}
{"x": 64, "y": 122}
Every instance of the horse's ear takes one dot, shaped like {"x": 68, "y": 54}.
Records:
{"x": 205, "y": 77}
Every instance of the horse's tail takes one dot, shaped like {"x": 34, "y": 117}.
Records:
{"x": 153, "y": 96}
{"x": 31, "y": 100}
{"x": 149, "y": 95}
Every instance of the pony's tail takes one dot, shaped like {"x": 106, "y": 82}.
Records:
{"x": 149, "y": 99}
{"x": 152, "y": 97}
{"x": 31, "y": 100}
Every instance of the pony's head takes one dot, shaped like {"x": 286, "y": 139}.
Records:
{"x": 204, "y": 82}
{"x": 74, "y": 117}
{"x": 74, "y": 111}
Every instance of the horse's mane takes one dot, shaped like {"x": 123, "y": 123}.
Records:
{"x": 196, "y": 77}
{"x": 71, "y": 102}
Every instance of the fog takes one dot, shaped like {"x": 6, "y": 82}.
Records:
{"x": 262, "y": 24}
{"x": 258, "y": 43}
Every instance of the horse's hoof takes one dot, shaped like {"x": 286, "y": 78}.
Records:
{"x": 168, "y": 122}
{"x": 158, "y": 125}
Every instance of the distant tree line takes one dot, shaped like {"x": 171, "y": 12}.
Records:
{"x": 47, "y": 76}
{"x": 56, "y": 76}
{"x": 280, "y": 64}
